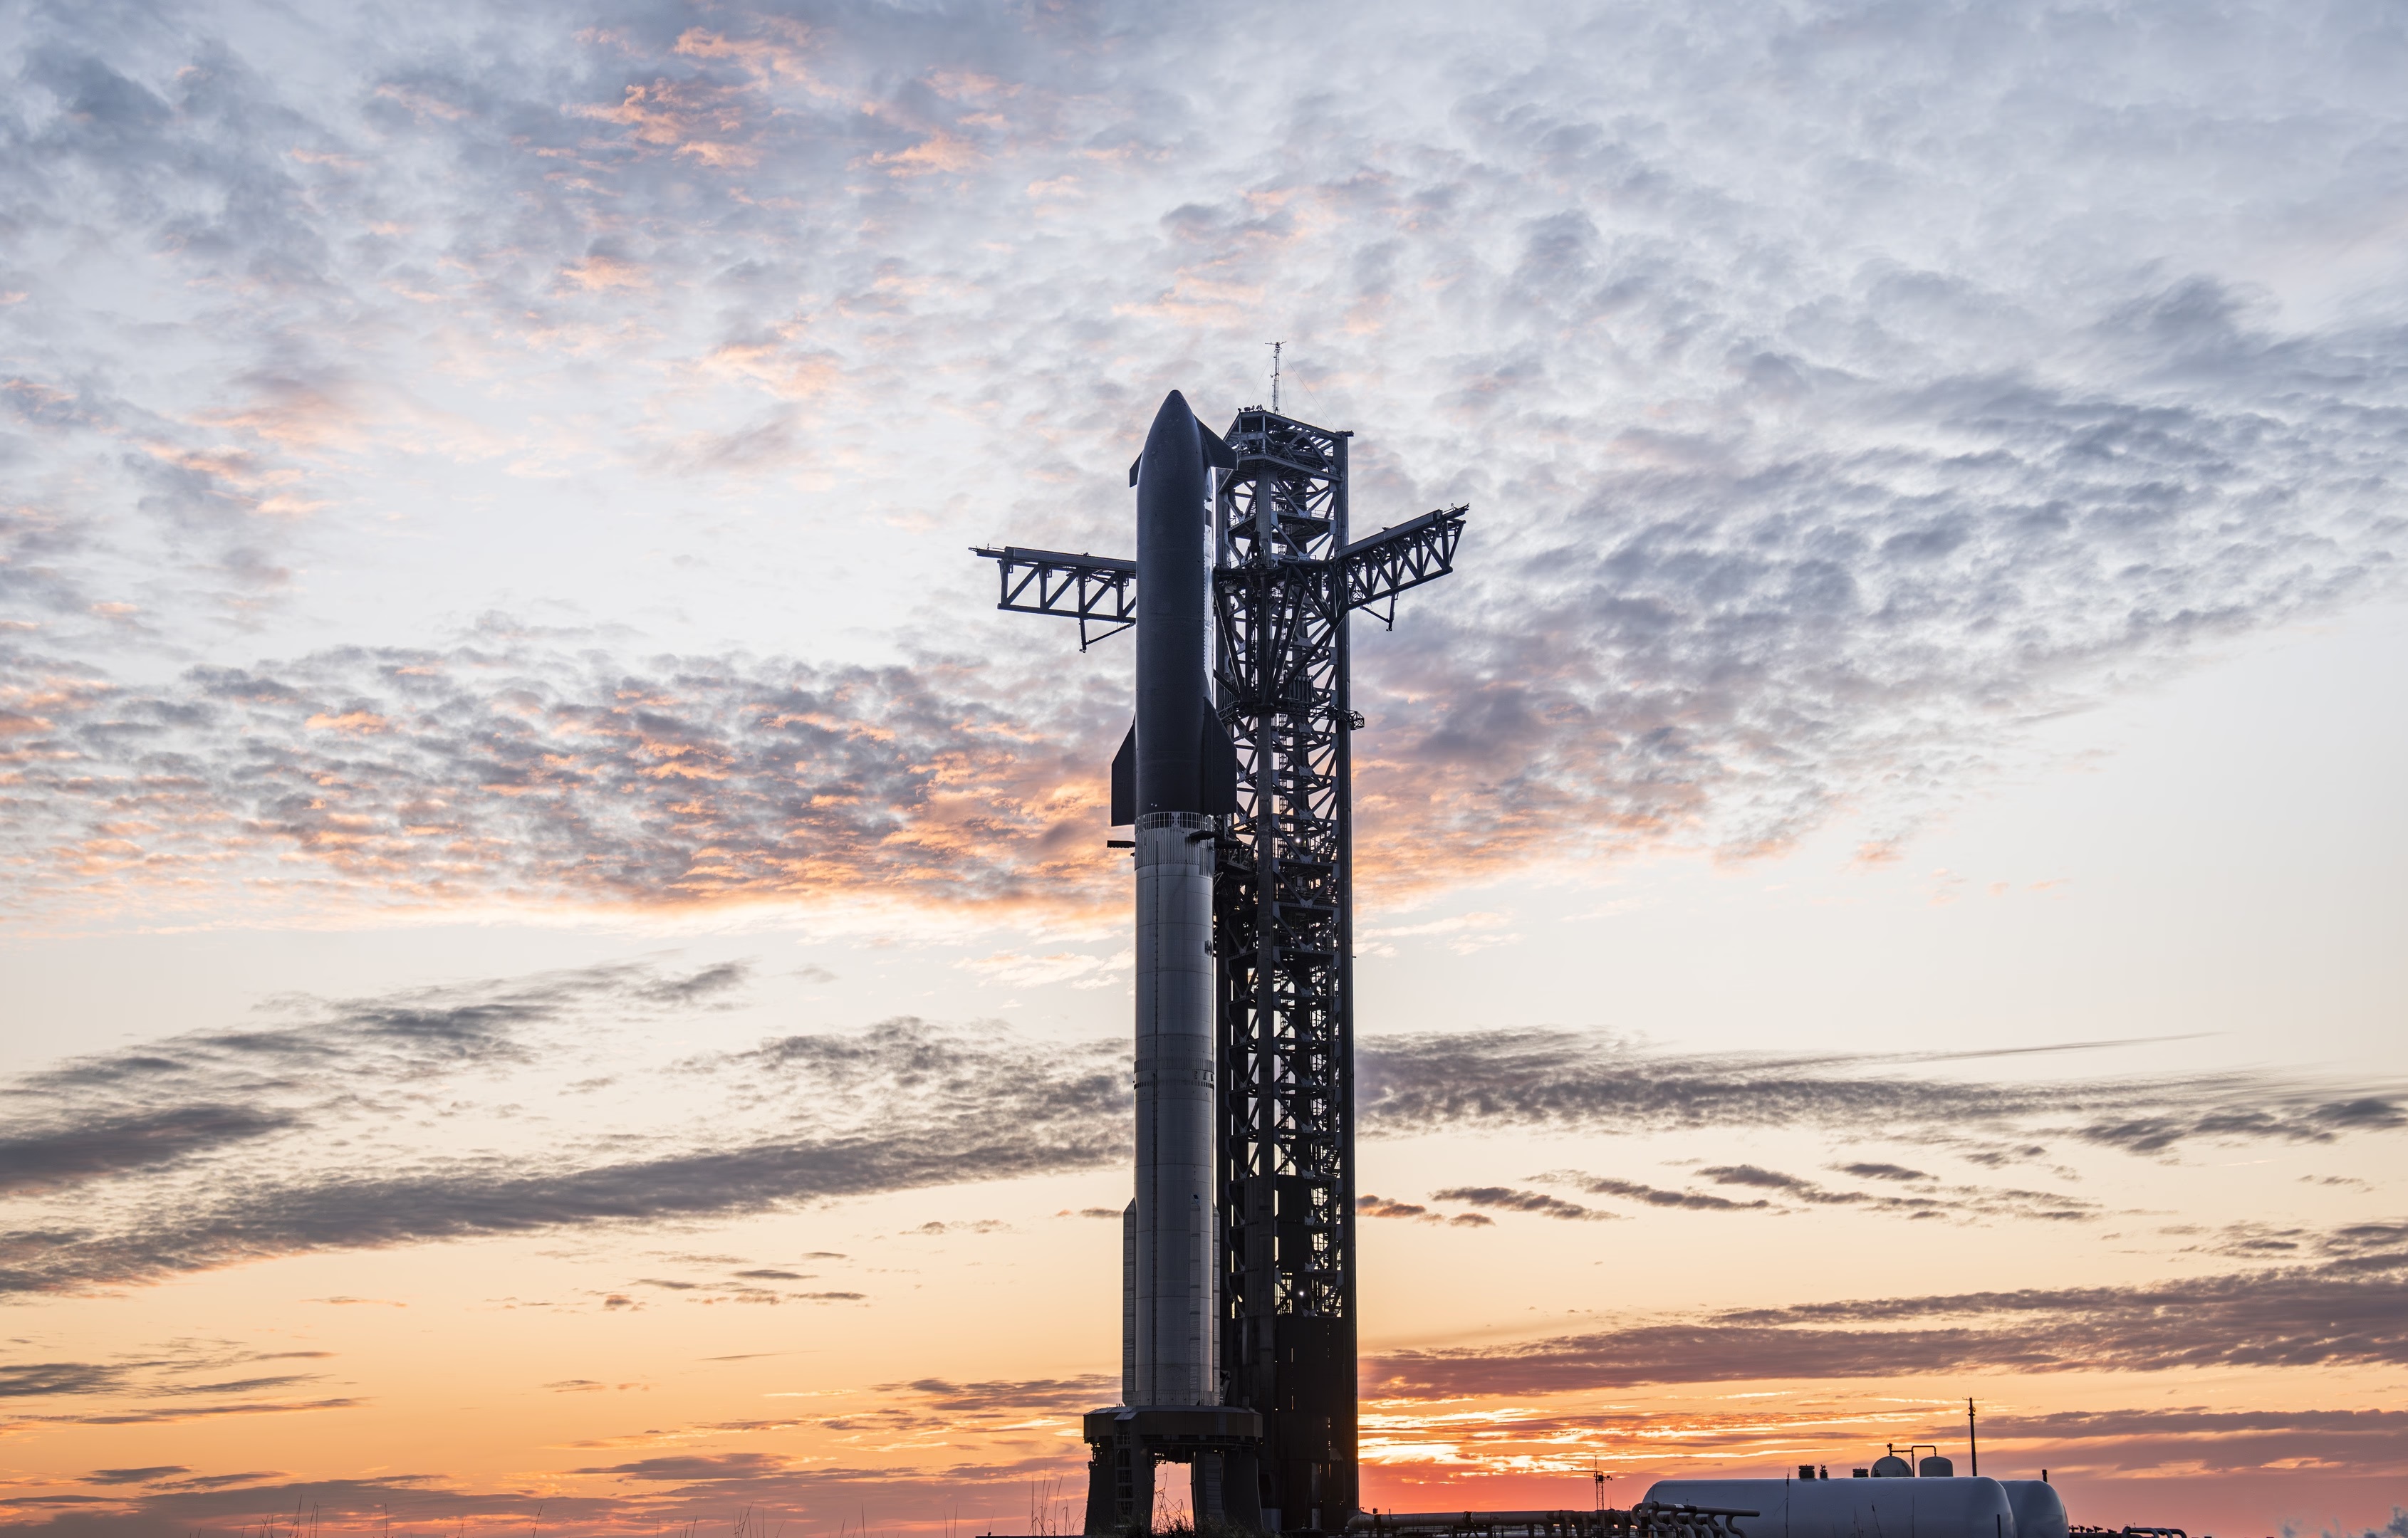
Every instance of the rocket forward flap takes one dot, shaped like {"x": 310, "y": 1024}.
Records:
{"x": 1219, "y": 758}
{"x": 1125, "y": 780}
{"x": 1217, "y": 453}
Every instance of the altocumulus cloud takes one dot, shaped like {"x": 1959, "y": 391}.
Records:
{"x": 1811, "y": 448}
{"x": 511, "y": 769}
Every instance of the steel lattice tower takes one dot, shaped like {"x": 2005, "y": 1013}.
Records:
{"x": 1286, "y": 575}
{"x": 1283, "y": 919}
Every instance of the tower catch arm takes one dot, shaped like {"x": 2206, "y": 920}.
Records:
{"x": 1097, "y": 590}
{"x": 1376, "y": 568}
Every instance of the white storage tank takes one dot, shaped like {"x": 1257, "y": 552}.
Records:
{"x": 2039, "y": 1511}
{"x": 1846, "y": 1508}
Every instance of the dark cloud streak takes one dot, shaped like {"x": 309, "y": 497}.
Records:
{"x": 35, "y": 1163}
{"x": 931, "y": 1107}
{"x": 2342, "y": 1313}
{"x": 909, "y": 1104}
{"x": 302, "y": 1064}
{"x": 1584, "y": 1082}
{"x": 1507, "y": 1199}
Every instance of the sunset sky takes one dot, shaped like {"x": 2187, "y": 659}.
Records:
{"x": 561, "y": 973}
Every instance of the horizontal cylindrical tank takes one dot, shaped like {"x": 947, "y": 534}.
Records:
{"x": 1846, "y": 1508}
{"x": 1450, "y": 1521}
{"x": 2039, "y": 1511}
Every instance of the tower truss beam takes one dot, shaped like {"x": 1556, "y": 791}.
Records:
{"x": 1374, "y": 569}
{"x": 1097, "y": 590}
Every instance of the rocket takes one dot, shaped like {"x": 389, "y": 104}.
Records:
{"x": 1173, "y": 779}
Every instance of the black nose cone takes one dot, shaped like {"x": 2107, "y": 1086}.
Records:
{"x": 1174, "y": 426}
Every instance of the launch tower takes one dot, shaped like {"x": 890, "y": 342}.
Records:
{"x": 1285, "y": 574}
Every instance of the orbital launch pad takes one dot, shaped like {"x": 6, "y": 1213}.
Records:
{"x": 1238, "y": 1264}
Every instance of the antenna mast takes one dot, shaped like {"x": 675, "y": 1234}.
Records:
{"x": 1275, "y": 347}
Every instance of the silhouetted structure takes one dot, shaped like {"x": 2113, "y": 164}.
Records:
{"x": 1269, "y": 771}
